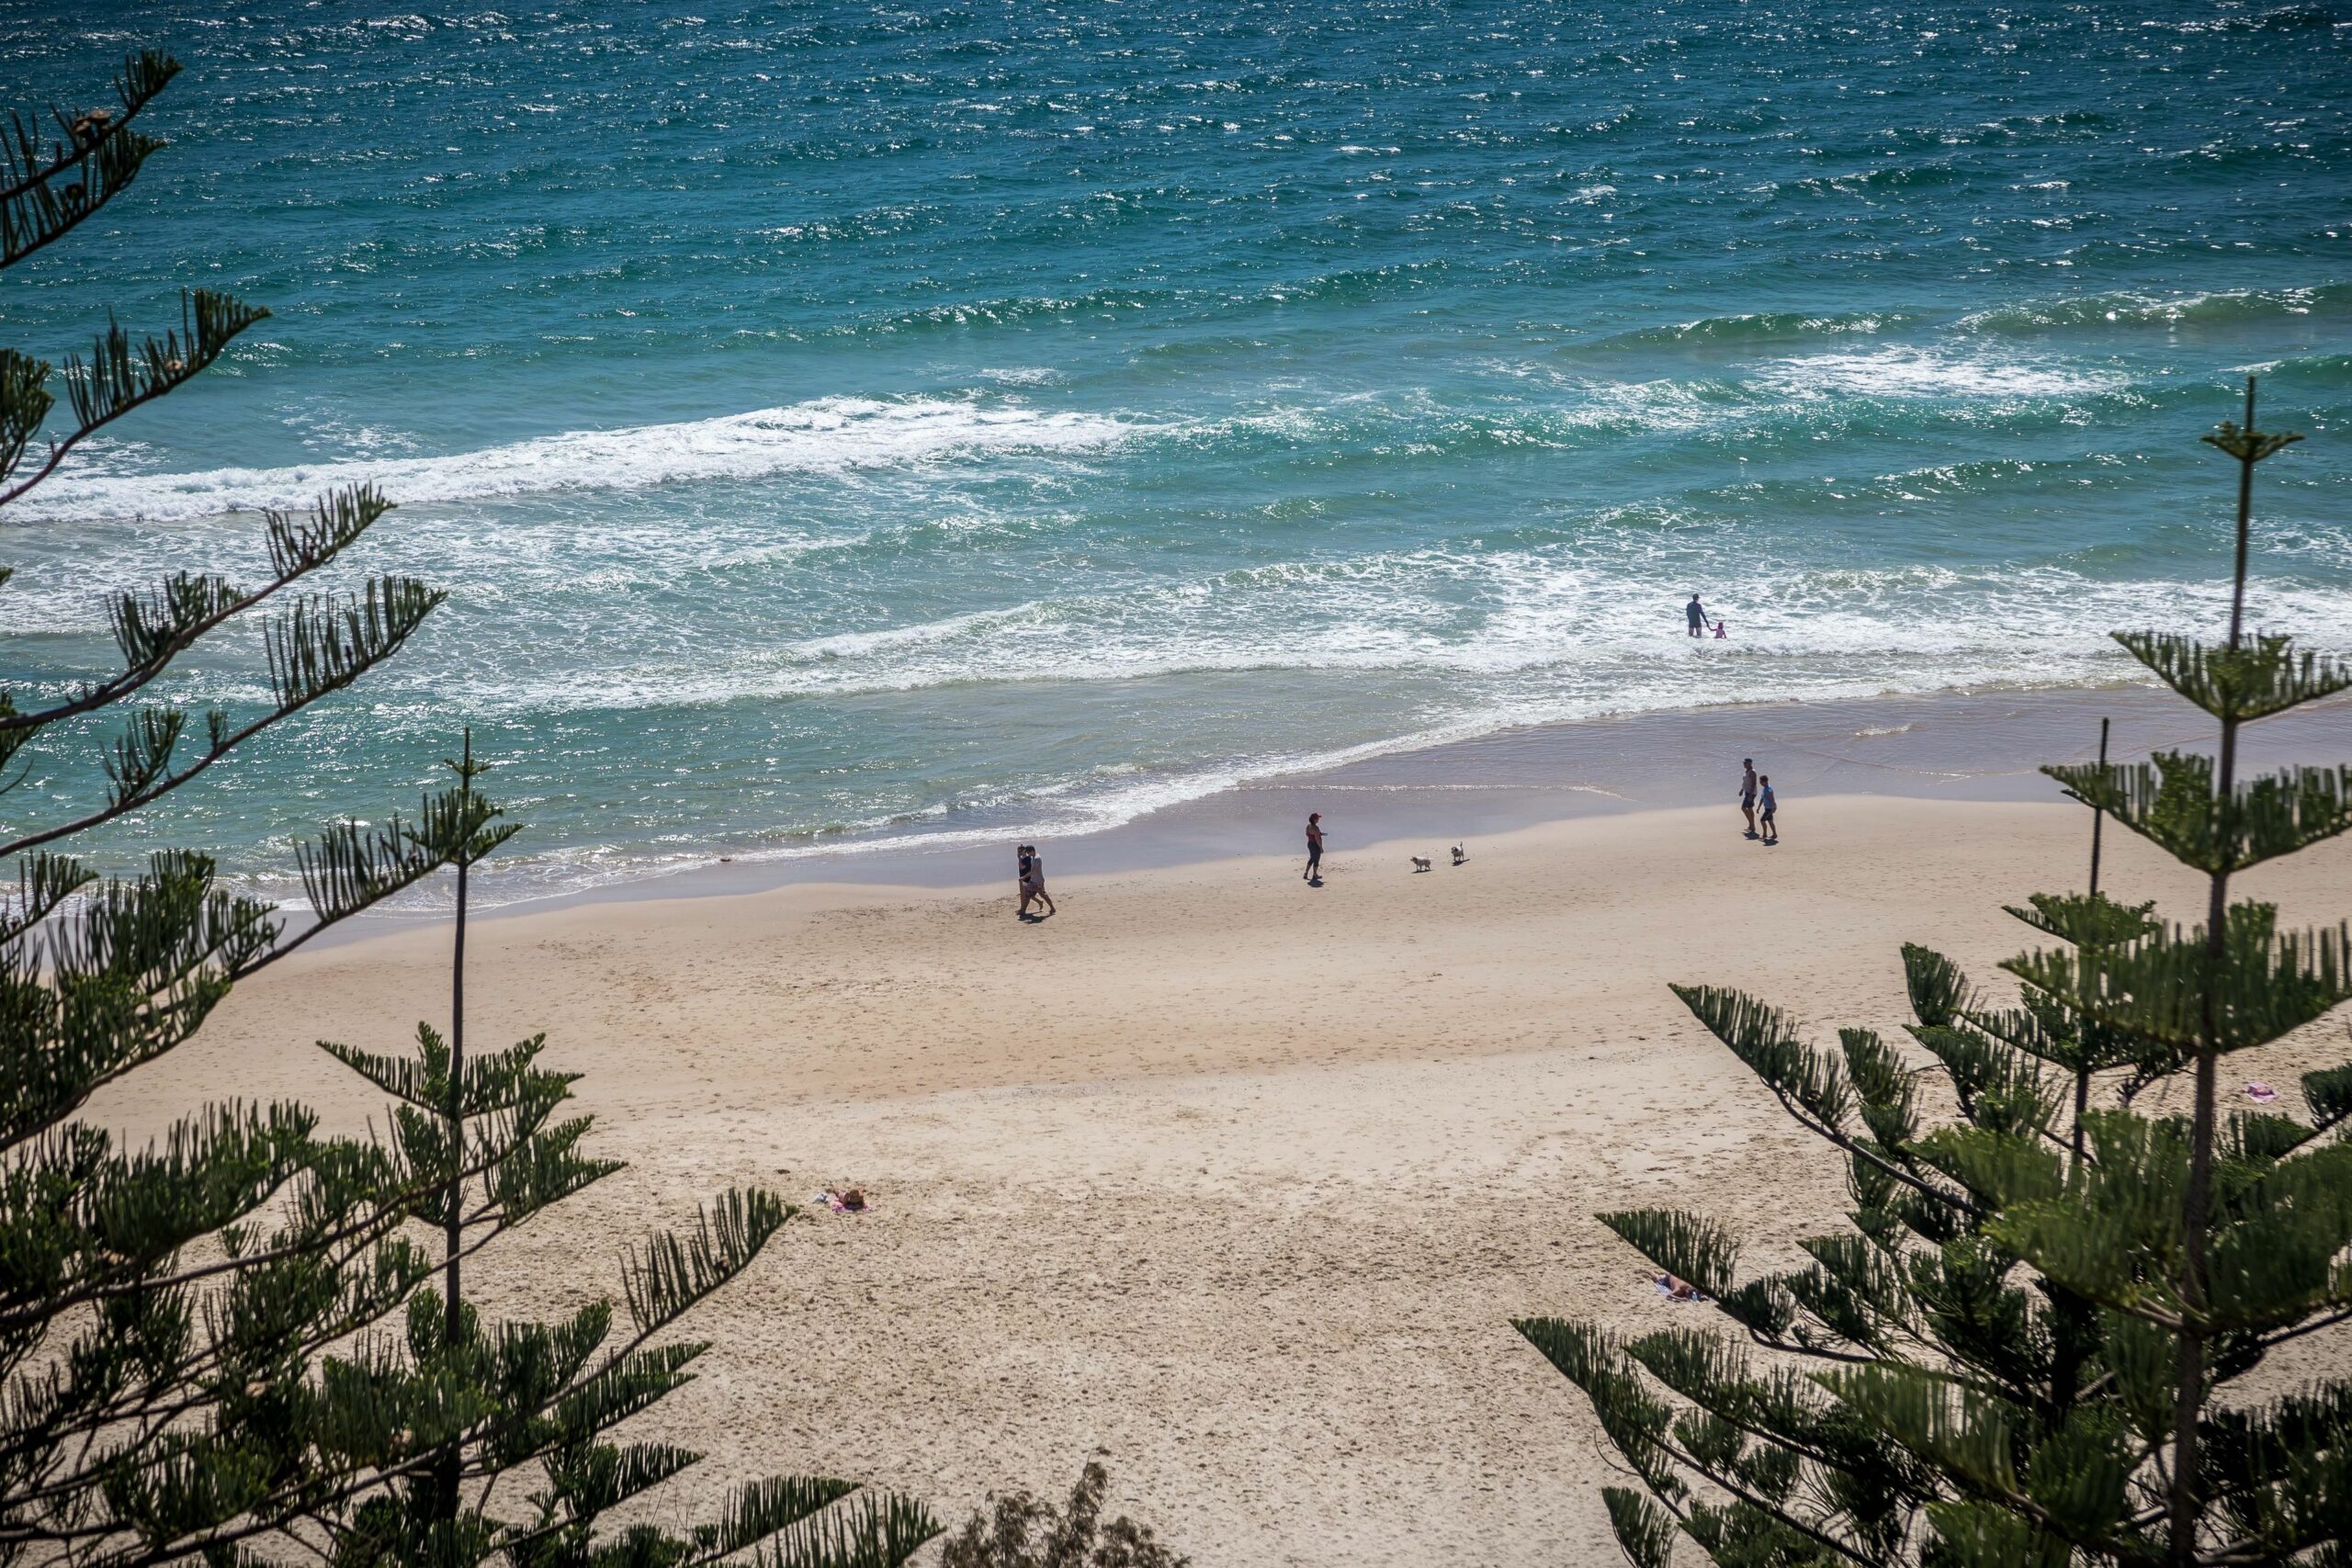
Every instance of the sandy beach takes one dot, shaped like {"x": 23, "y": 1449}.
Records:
{"x": 1233, "y": 1182}
{"x": 787, "y": 457}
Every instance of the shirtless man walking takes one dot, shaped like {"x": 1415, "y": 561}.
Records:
{"x": 1747, "y": 794}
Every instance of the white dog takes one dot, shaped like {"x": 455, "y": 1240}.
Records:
{"x": 1420, "y": 862}
{"x": 1459, "y": 854}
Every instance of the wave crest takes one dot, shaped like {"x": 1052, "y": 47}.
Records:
{"x": 2146, "y": 310}
{"x": 825, "y": 434}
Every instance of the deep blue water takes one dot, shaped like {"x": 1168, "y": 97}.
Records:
{"x": 830, "y": 416}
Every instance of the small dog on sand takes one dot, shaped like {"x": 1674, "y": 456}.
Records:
{"x": 1459, "y": 854}
{"x": 1420, "y": 862}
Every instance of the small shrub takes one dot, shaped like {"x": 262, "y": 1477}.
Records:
{"x": 1019, "y": 1531}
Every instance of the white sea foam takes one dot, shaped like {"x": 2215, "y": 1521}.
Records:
{"x": 1915, "y": 372}
{"x": 827, "y": 434}
{"x": 1541, "y": 622}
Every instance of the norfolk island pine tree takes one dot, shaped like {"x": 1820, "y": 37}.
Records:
{"x": 2030, "y": 1347}
{"x": 192, "y": 1333}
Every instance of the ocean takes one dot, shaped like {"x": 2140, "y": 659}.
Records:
{"x": 834, "y": 423}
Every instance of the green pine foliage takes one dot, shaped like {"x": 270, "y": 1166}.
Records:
{"x": 234, "y": 1344}
{"x": 2029, "y": 1345}
{"x": 1017, "y": 1531}
{"x": 493, "y": 1441}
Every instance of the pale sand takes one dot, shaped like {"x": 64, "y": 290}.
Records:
{"x": 1235, "y": 1179}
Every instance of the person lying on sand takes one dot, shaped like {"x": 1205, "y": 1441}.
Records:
{"x": 850, "y": 1201}
{"x": 1675, "y": 1290}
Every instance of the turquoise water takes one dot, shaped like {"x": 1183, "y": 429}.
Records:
{"x": 831, "y": 418}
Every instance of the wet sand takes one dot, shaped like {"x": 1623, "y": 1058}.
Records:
{"x": 1949, "y": 746}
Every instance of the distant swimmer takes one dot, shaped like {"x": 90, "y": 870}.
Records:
{"x": 1696, "y": 614}
{"x": 1719, "y": 633}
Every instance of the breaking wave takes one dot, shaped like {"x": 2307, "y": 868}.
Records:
{"x": 829, "y": 435}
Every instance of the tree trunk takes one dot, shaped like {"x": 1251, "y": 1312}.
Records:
{"x": 2188, "y": 1392}
{"x": 453, "y": 1228}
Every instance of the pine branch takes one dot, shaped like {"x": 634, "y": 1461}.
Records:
{"x": 322, "y": 646}
{"x": 117, "y": 378}
{"x": 2115, "y": 1230}
{"x": 625, "y": 1382}
{"x": 1638, "y": 1426}
{"x": 156, "y": 627}
{"x": 2328, "y": 1092}
{"x": 1715, "y": 1374}
{"x": 2086, "y": 919}
{"x": 2255, "y": 680}
{"x": 1809, "y": 1085}
{"x": 500, "y": 1081}
{"x": 2167, "y": 987}
{"x": 1687, "y": 1245}
{"x": 143, "y": 753}
{"x": 327, "y": 641}
{"x": 758, "y": 1509}
{"x": 2170, "y": 802}
{"x": 44, "y": 881}
{"x": 129, "y": 975}
{"x": 1765, "y": 1039}
{"x": 1939, "y": 992}
{"x": 869, "y": 1533}
{"x": 546, "y": 1169}
{"x": 1644, "y": 1531}
{"x": 667, "y": 1276}
{"x": 36, "y": 206}
{"x": 25, "y": 402}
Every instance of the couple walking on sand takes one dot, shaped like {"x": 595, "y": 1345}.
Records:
{"x": 1757, "y": 802}
{"x": 1033, "y": 883}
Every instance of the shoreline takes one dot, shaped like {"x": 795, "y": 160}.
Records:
{"x": 1957, "y": 745}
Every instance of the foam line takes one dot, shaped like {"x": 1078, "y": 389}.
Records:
{"x": 826, "y": 435}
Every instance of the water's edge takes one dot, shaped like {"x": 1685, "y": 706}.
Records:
{"x": 1949, "y": 746}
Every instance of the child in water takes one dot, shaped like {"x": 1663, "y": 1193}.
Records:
{"x": 1719, "y": 631}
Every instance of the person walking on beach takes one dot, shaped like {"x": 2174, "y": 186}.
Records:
{"x": 1770, "y": 808}
{"x": 1023, "y": 860}
{"x": 1748, "y": 792}
{"x": 1038, "y": 879}
{"x": 1696, "y": 614}
{"x": 1314, "y": 847}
